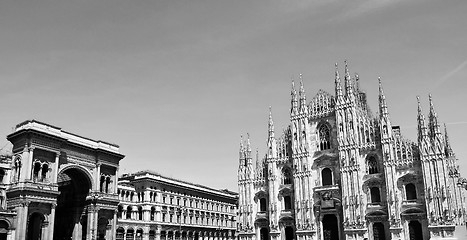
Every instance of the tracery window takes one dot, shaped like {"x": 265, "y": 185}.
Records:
{"x": 372, "y": 165}
{"x": 17, "y": 168}
{"x": 40, "y": 171}
{"x": 286, "y": 176}
{"x": 324, "y": 135}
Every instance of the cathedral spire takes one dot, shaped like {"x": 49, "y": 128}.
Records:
{"x": 294, "y": 108}
{"x": 270, "y": 125}
{"x": 435, "y": 129}
{"x": 339, "y": 93}
{"x": 242, "y": 152}
{"x": 271, "y": 139}
{"x": 248, "y": 149}
{"x": 422, "y": 129}
{"x": 303, "y": 107}
{"x": 383, "y": 107}
{"x": 386, "y": 128}
{"x": 357, "y": 83}
{"x": 448, "y": 148}
{"x": 348, "y": 83}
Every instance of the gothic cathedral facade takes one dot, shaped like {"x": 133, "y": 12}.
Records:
{"x": 339, "y": 172}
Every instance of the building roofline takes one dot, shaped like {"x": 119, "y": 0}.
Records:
{"x": 157, "y": 176}
{"x": 68, "y": 136}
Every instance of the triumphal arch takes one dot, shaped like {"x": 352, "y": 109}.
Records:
{"x": 63, "y": 186}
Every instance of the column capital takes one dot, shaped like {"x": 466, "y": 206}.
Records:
{"x": 31, "y": 148}
{"x": 24, "y": 203}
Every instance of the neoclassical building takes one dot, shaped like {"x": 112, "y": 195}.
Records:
{"x": 340, "y": 172}
{"x": 58, "y": 185}
{"x": 153, "y": 206}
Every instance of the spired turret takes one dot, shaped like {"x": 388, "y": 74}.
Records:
{"x": 303, "y": 104}
{"x": 385, "y": 122}
{"x": 294, "y": 100}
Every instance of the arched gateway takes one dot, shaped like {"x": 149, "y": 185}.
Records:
{"x": 63, "y": 185}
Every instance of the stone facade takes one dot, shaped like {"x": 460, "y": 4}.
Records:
{"x": 153, "y": 206}
{"x": 58, "y": 185}
{"x": 339, "y": 172}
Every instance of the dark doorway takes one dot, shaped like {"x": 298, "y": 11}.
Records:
{"x": 415, "y": 231}
{"x": 35, "y": 226}
{"x": 330, "y": 227}
{"x": 264, "y": 234}
{"x": 74, "y": 186}
{"x": 4, "y": 226}
{"x": 289, "y": 233}
{"x": 378, "y": 231}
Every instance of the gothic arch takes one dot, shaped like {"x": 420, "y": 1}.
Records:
{"x": 409, "y": 177}
{"x": 372, "y": 164}
{"x": 260, "y": 194}
{"x": 84, "y": 170}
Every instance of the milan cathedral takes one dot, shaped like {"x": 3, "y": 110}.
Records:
{"x": 339, "y": 172}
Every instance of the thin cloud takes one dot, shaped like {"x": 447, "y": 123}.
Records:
{"x": 367, "y": 6}
{"x": 451, "y": 73}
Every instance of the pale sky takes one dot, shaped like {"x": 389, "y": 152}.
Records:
{"x": 175, "y": 83}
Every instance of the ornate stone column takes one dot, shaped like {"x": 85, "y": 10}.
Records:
{"x": 22, "y": 218}
{"x": 158, "y": 232}
{"x": 50, "y": 233}
{"x": 57, "y": 159}
{"x": 114, "y": 225}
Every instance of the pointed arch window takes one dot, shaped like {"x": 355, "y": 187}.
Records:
{"x": 286, "y": 176}
{"x": 262, "y": 204}
{"x": 326, "y": 177}
{"x": 410, "y": 191}
{"x": 324, "y": 134}
{"x": 372, "y": 165}
{"x": 287, "y": 202}
{"x": 375, "y": 195}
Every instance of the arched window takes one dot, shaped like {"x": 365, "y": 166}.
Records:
{"x": 287, "y": 203}
{"x": 139, "y": 234}
{"x": 375, "y": 195}
{"x": 130, "y": 234}
{"x": 37, "y": 169}
{"x": 262, "y": 204}
{"x": 102, "y": 181}
{"x": 2, "y": 175}
{"x": 45, "y": 170}
{"x": 372, "y": 165}
{"x": 153, "y": 214}
{"x": 286, "y": 176}
{"x": 410, "y": 192}
{"x": 326, "y": 177}
{"x": 140, "y": 213}
{"x": 120, "y": 212}
{"x": 128, "y": 212}
{"x": 324, "y": 137}
{"x": 107, "y": 184}
{"x": 17, "y": 168}
{"x": 120, "y": 233}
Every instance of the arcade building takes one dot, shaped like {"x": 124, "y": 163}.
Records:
{"x": 58, "y": 185}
